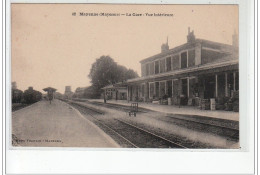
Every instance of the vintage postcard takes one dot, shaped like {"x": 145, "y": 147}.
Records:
{"x": 125, "y": 76}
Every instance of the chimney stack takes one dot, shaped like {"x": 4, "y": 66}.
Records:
{"x": 165, "y": 46}
{"x": 190, "y": 36}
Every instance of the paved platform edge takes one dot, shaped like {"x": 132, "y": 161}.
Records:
{"x": 24, "y": 107}
{"x": 177, "y": 113}
{"x": 95, "y": 126}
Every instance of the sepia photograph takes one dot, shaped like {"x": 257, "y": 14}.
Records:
{"x": 125, "y": 76}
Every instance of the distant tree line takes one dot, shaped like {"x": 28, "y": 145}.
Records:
{"x": 106, "y": 71}
{"x": 29, "y": 96}
{"x": 88, "y": 92}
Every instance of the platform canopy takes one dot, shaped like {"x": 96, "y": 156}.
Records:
{"x": 49, "y": 89}
{"x": 115, "y": 86}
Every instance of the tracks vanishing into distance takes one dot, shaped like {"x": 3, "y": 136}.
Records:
{"x": 125, "y": 133}
{"x": 220, "y": 127}
{"x": 115, "y": 106}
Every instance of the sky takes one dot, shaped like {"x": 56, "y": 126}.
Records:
{"x": 51, "y": 47}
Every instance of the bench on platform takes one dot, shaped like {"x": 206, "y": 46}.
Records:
{"x": 134, "y": 109}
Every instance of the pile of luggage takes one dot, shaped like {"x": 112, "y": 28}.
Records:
{"x": 235, "y": 100}
{"x": 205, "y": 104}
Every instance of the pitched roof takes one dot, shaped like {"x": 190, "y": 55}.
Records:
{"x": 226, "y": 61}
{"x": 116, "y": 86}
{"x": 183, "y": 47}
{"x": 49, "y": 88}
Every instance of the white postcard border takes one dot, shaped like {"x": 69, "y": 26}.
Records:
{"x": 75, "y": 160}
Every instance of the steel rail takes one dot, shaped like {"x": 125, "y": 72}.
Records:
{"x": 203, "y": 123}
{"x": 155, "y": 135}
{"x": 105, "y": 124}
{"x": 223, "y": 128}
{"x": 182, "y": 119}
{"x": 143, "y": 130}
{"x": 99, "y": 112}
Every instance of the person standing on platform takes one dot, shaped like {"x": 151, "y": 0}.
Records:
{"x": 105, "y": 101}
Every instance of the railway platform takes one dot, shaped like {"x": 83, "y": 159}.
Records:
{"x": 184, "y": 110}
{"x": 56, "y": 125}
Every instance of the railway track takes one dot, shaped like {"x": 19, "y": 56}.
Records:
{"x": 91, "y": 111}
{"x": 225, "y": 128}
{"x": 127, "y": 134}
{"x": 216, "y": 127}
{"x": 118, "y": 106}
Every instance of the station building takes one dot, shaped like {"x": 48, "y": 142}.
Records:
{"x": 198, "y": 69}
{"x": 68, "y": 93}
{"x": 115, "y": 92}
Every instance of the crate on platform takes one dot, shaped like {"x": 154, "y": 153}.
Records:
{"x": 236, "y": 95}
{"x": 169, "y": 101}
{"x": 220, "y": 107}
{"x": 212, "y": 104}
{"x": 190, "y": 102}
{"x": 229, "y": 106}
{"x": 236, "y": 106}
{"x": 205, "y": 104}
{"x": 164, "y": 102}
{"x": 197, "y": 101}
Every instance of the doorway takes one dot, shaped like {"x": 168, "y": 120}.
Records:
{"x": 210, "y": 87}
{"x": 184, "y": 92}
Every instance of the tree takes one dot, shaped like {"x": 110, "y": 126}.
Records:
{"x": 31, "y": 96}
{"x": 106, "y": 71}
{"x": 90, "y": 92}
{"x": 130, "y": 73}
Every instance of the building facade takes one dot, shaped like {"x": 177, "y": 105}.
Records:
{"x": 199, "y": 69}
{"x": 68, "y": 93}
{"x": 115, "y": 92}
